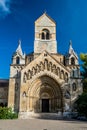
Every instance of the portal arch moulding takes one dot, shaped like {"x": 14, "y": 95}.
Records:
{"x": 44, "y": 90}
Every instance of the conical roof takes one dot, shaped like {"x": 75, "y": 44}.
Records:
{"x": 71, "y": 50}
{"x": 19, "y": 49}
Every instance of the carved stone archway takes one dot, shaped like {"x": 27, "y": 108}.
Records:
{"x": 44, "y": 88}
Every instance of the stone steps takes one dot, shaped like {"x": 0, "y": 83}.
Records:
{"x": 31, "y": 115}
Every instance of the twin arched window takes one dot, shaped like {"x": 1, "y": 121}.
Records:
{"x": 45, "y": 34}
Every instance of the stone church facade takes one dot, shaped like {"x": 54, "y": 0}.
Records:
{"x": 44, "y": 81}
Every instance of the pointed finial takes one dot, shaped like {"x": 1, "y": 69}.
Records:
{"x": 19, "y": 42}
{"x": 70, "y": 42}
{"x": 19, "y": 49}
{"x": 71, "y": 50}
{"x": 70, "y": 47}
{"x": 45, "y": 11}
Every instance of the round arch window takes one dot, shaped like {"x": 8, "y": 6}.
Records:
{"x": 72, "y": 61}
{"x": 45, "y": 34}
{"x": 17, "y": 60}
{"x": 74, "y": 86}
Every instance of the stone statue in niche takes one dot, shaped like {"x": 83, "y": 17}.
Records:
{"x": 24, "y": 94}
{"x": 25, "y": 77}
{"x": 16, "y": 86}
{"x": 62, "y": 75}
{"x": 37, "y": 68}
{"x": 33, "y": 71}
{"x": 46, "y": 64}
{"x": 67, "y": 108}
{"x": 58, "y": 71}
{"x": 50, "y": 66}
{"x": 29, "y": 75}
{"x": 54, "y": 69}
{"x": 42, "y": 66}
{"x": 67, "y": 94}
{"x": 66, "y": 77}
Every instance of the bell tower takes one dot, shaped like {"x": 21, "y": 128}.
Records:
{"x": 45, "y": 35}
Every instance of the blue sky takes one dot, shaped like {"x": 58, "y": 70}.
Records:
{"x": 17, "y": 19}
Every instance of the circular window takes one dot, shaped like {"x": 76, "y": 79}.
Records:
{"x": 74, "y": 86}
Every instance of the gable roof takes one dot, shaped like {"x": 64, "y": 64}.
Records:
{"x": 35, "y": 61}
{"x": 45, "y": 14}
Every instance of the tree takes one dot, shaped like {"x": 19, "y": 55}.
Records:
{"x": 83, "y": 57}
{"x": 82, "y": 105}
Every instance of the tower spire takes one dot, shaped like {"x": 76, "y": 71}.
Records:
{"x": 19, "y": 49}
{"x": 70, "y": 47}
{"x": 71, "y": 50}
{"x": 70, "y": 42}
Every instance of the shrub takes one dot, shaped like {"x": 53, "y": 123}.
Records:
{"x": 7, "y": 113}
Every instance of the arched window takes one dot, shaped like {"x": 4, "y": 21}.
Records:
{"x": 74, "y": 86}
{"x": 45, "y": 34}
{"x": 73, "y": 73}
{"x": 66, "y": 77}
{"x": 17, "y": 60}
{"x": 24, "y": 94}
{"x": 78, "y": 72}
{"x": 72, "y": 61}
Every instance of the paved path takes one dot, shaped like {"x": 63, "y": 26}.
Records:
{"x": 39, "y": 124}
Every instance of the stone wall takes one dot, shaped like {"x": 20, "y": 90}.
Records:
{"x": 4, "y": 92}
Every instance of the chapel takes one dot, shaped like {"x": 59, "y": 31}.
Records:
{"x": 44, "y": 81}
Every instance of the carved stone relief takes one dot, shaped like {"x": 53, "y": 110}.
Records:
{"x": 46, "y": 65}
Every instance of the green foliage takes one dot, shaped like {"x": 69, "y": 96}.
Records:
{"x": 82, "y": 104}
{"x": 85, "y": 85}
{"x": 7, "y": 113}
{"x": 83, "y": 57}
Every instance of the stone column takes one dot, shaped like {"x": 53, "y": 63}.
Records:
{"x": 11, "y": 93}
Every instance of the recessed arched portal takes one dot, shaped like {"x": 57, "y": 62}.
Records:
{"x": 45, "y": 95}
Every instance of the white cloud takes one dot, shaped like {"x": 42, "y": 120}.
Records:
{"x": 4, "y": 7}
